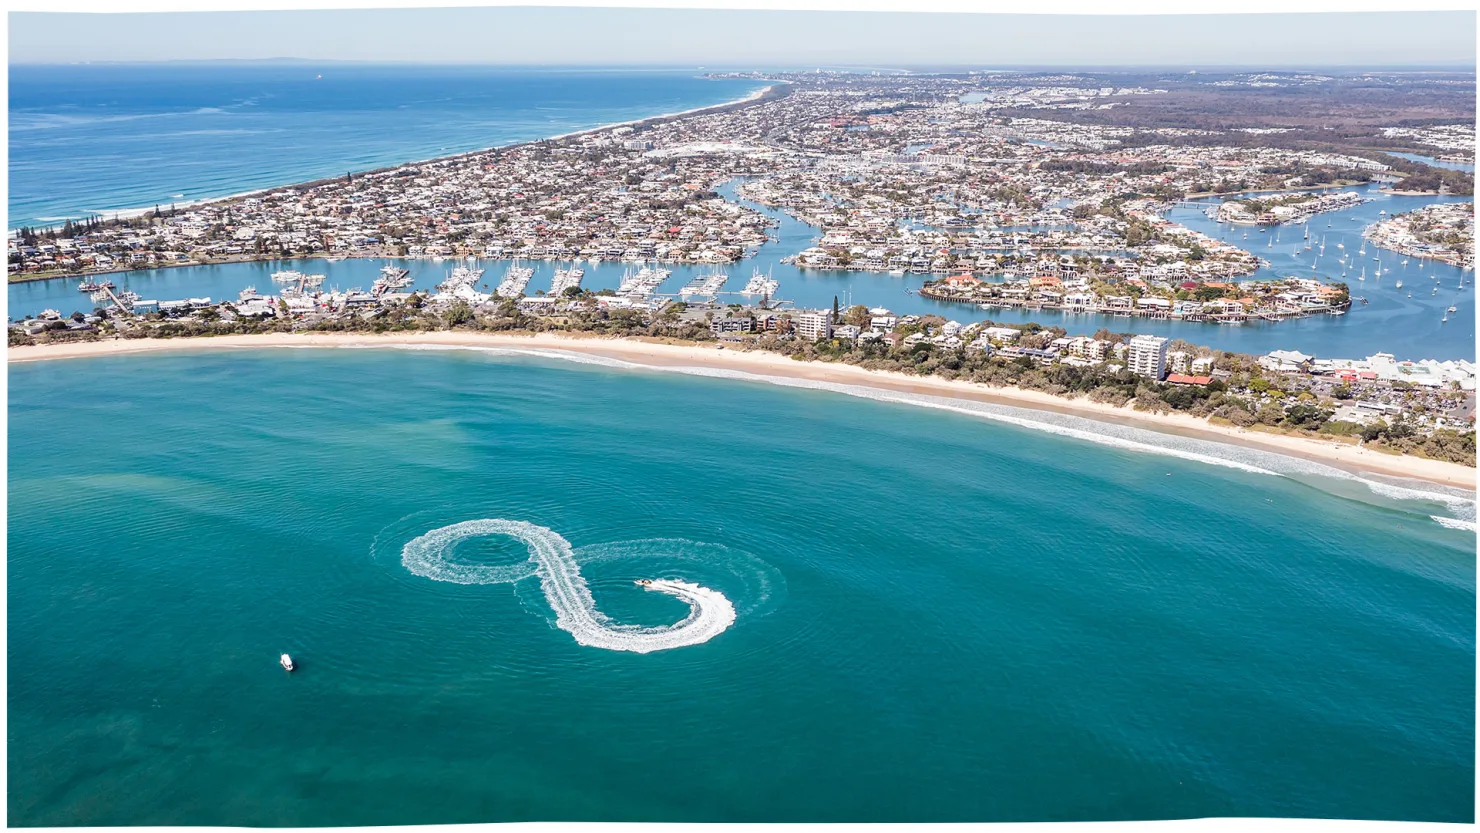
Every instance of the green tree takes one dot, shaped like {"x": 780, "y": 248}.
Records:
{"x": 858, "y": 315}
{"x": 459, "y": 313}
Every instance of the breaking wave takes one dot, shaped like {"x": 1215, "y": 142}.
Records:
{"x": 552, "y": 559}
{"x": 1454, "y": 523}
{"x": 1251, "y": 460}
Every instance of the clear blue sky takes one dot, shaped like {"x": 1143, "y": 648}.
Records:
{"x": 711, "y": 37}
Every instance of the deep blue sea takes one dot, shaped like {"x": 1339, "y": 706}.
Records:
{"x": 937, "y": 616}
{"x": 89, "y": 138}
{"x": 85, "y": 139}
{"x": 866, "y": 609}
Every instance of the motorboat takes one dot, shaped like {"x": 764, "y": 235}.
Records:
{"x": 642, "y": 582}
{"x": 286, "y": 662}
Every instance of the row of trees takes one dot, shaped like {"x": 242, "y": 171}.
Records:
{"x": 1248, "y": 398}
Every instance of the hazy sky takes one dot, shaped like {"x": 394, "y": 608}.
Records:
{"x": 711, "y": 37}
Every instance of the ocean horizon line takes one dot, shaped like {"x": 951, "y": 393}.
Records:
{"x": 195, "y": 202}
{"x": 944, "y": 69}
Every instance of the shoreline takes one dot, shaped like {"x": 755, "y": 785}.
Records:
{"x": 130, "y": 213}
{"x": 658, "y": 353}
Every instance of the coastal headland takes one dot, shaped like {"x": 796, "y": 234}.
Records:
{"x": 661, "y": 353}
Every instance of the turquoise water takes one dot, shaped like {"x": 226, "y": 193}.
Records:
{"x": 87, "y": 139}
{"x": 937, "y": 616}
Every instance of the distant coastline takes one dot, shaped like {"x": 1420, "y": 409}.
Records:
{"x": 660, "y": 353}
{"x": 775, "y": 89}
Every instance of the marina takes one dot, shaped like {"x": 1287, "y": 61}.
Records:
{"x": 515, "y": 280}
{"x": 640, "y": 284}
{"x": 566, "y": 280}
{"x": 392, "y": 278}
{"x": 760, "y": 284}
{"x": 1088, "y": 470}
{"x": 1390, "y": 321}
{"x": 704, "y": 285}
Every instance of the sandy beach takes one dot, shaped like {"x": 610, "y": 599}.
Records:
{"x": 657, "y": 354}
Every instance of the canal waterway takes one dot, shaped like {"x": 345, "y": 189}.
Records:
{"x": 1391, "y": 321}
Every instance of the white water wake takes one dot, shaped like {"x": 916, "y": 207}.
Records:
{"x": 551, "y": 558}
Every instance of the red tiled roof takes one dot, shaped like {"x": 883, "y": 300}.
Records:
{"x": 1180, "y": 379}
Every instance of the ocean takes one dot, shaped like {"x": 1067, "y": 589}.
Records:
{"x": 906, "y": 613}
{"x": 93, "y": 138}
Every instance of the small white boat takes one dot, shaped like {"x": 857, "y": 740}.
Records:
{"x": 286, "y": 662}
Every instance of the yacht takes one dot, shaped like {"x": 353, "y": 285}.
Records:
{"x": 760, "y": 284}
{"x": 514, "y": 282}
{"x": 391, "y": 277}
{"x": 566, "y": 279}
{"x": 704, "y": 285}
{"x": 286, "y": 662}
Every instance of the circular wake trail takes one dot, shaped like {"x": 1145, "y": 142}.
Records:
{"x": 551, "y": 558}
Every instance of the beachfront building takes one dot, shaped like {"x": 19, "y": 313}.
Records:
{"x": 1147, "y": 356}
{"x": 813, "y": 325}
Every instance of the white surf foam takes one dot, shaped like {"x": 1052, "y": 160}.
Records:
{"x": 1123, "y": 437}
{"x": 1454, "y": 523}
{"x": 551, "y": 558}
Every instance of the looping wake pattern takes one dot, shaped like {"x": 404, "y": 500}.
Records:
{"x": 551, "y": 558}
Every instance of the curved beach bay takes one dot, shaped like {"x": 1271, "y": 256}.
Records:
{"x": 939, "y": 616}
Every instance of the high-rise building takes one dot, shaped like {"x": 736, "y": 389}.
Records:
{"x": 1147, "y": 357}
{"x": 813, "y": 325}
